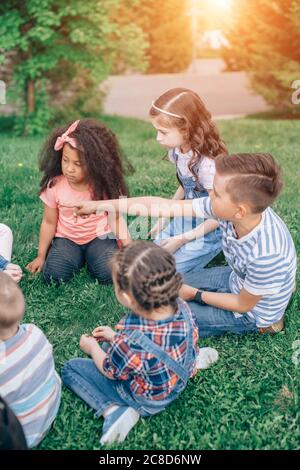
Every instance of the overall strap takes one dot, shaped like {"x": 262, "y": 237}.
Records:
{"x": 141, "y": 339}
{"x": 187, "y": 315}
{"x": 175, "y": 156}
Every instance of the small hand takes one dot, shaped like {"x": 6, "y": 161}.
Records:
{"x": 87, "y": 343}
{"x": 36, "y": 265}
{"x": 104, "y": 333}
{"x": 172, "y": 244}
{"x": 82, "y": 208}
{"x": 14, "y": 271}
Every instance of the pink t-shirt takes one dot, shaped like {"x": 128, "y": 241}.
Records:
{"x": 82, "y": 231}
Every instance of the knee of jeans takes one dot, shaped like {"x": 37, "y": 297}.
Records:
{"x": 50, "y": 274}
{"x": 67, "y": 369}
{"x": 101, "y": 273}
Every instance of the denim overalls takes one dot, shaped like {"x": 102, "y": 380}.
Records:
{"x": 198, "y": 253}
{"x": 100, "y": 392}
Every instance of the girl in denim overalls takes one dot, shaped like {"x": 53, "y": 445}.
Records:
{"x": 147, "y": 362}
{"x": 185, "y": 128}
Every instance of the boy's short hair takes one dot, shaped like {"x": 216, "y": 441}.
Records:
{"x": 12, "y": 303}
{"x": 256, "y": 178}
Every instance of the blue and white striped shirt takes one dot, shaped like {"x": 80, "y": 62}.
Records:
{"x": 263, "y": 262}
{"x": 29, "y": 382}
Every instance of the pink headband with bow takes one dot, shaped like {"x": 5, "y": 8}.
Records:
{"x": 64, "y": 138}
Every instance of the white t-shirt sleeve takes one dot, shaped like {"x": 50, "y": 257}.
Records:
{"x": 207, "y": 172}
{"x": 266, "y": 275}
{"x": 202, "y": 208}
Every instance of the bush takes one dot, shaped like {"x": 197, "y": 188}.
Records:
{"x": 264, "y": 40}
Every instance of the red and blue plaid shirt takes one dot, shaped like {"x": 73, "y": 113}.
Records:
{"x": 149, "y": 376}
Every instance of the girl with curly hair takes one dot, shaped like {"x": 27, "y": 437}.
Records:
{"x": 185, "y": 128}
{"x": 147, "y": 360}
{"x": 80, "y": 160}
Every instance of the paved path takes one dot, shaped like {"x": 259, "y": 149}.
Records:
{"x": 226, "y": 94}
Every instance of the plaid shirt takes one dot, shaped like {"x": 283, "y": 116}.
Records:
{"x": 3, "y": 263}
{"x": 146, "y": 374}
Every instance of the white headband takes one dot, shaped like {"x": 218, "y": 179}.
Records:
{"x": 164, "y": 111}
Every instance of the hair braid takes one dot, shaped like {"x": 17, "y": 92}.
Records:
{"x": 149, "y": 273}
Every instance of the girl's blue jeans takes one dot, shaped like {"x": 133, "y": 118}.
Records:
{"x": 65, "y": 258}
{"x": 84, "y": 379}
{"x": 214, "y": 321}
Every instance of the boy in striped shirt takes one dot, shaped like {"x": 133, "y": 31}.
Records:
{"x": 253, "y": 292}
{"x": 28, "y": 380}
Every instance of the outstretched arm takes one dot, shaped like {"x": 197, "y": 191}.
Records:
{"x": 149, "y": 206}
{"x": 161, "y": 222}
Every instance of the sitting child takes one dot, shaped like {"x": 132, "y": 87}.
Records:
{"x": 6, "y": 241}
{"x": 28, "y": 380}
{"x": 80, "y": 161}
{"x": 253, "y": 292}
{"x": 151, "y": 355}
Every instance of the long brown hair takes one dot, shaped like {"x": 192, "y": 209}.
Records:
{"x": 194, "y": 122}
{"x": 100, "y": 154}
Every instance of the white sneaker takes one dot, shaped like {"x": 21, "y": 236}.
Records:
{"x": 117, "y": 424}
{"x": 206, "y": 357}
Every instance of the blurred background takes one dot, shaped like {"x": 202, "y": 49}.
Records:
{"x": 60, "y": 59}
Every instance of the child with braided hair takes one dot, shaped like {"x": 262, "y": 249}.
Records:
{"x": 153, "y": 351}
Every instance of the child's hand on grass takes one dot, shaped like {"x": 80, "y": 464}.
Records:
{"x": 104, "y": 333}
{"x": 36, "y": 265}
{"x": 87, "y": 343}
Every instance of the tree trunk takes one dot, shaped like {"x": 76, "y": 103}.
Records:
{"x": 30, "y": 97}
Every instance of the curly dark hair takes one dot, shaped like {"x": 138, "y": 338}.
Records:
{"x": 148, "y": 272}
{"x": 101, "y": 156}
{"x": 194, "y": 122}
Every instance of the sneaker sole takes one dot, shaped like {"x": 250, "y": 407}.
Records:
{"x": 115, "y": 434}
{"x": 213, "y": 356}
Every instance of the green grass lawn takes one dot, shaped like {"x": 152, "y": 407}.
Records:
{"x": 249, "y": 399}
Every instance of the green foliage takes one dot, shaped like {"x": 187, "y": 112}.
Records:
{"x": 167, "y": 28}
{"x": 55, "y": 42}
{"x": 250, "y": 398}
{"x": 264, "y": 39}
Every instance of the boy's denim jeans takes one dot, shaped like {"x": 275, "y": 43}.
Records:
{"x": 214, "y": 321}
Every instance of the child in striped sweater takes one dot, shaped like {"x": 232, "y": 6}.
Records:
{"x": 28, "y": 380}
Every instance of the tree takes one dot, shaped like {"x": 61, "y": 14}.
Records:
{"x": 167, "y": 27}
{"x": 264, "y": 39}
{"x": 55, "y": 43}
